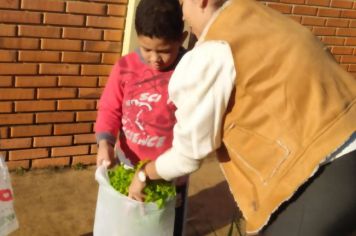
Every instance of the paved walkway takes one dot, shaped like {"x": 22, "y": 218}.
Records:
{"x": 60, "y": 202}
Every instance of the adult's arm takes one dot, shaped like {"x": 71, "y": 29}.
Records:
{"x": 200, "y": 88}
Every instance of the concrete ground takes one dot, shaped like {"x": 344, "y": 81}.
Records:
{"x": 56, "y": 202}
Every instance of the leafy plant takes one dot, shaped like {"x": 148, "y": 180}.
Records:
{"x": 158, "y": 191}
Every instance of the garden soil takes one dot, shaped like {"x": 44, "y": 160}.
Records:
{"x": 61, "y": 202}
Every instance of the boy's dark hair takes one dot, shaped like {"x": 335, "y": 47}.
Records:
{"x": 159, "y": 19}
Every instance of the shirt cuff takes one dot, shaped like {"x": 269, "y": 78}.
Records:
{"x": 107, "y": 136}
{"x": 172, "y": 164}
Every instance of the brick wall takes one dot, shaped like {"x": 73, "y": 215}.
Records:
{"x": 55, "y": 56}
{"x": 333, "y": 21}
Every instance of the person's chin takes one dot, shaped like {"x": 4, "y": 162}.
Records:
{"x": 158, "y": 67}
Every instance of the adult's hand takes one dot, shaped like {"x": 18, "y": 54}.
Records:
{"x": 136, "y": 189}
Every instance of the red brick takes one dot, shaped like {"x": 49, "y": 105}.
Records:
{"x": 324, "y": 3}
{"x": 52, "y": 141}
{"x": 342, "y": 50}
{"x": 346, "y": 32}
{"x": 353, "y": 24}
{"x": 103, "y": 81}
{"x": 113, "y": 35}
{"x": 15, "y": 143}
{"x": 90, "y": 92}
{"x": 25, "y": 106}
{"x": 63, "y": 19}
{"x": 60, "y": 129}
{"x": 7, "y": 56}
{"x": 5, "y": 81}
{"x": 78, "y": 81}
{"x": 96, "y": 69}
{"x": 286, "y": 9}
{"x": 328, "y": 12}
{"x": 82, "y": 33}
{"x": 314, "y": 21}
{"x": 70, "y": 151}
{"x": 106, "y": 22}
{"x": 350, "y": 42}
{"x": 305, "y": 10}
{"x": 35, "y": 81}
{"x": 4, "y": 132}
{"x": 14, "y": 119}
{"x": 20, "y": 17}
{"x": 28, "y": 154}
{"x": 39, "y": 56}
{"x": 48, "y": 93}
{"x": 85, "y": 159}
{"x": 14, "y": 165}
{"x": 61, "y": 44}
{"x": 5, "y": 107}
{"x": 39, "y": 31}
{"x": 348, "y": 59}
{"x": 79, "y": 104}
{"x": 54, "y": 117}
{"x": 348, "y": 14}
{"x": 331, "y": 40}
{"x": 86, "y": 8}
{"x": 81, "y": 57}
{"x": 341, "y": 3}
{"x": 86, "y": 116}
{"x": 50, "y": 162}
{"x": 17, "y": 68}
{"x": 30, "y": 130}
{"x": 117, "y": 10}
{"x": 9, "y": 4}
{"x": 112, "y": 1}
{"x": 110, "y": 58}
{"x": 16, "y": 94}
{"x": 324, "y": 31}
{"x": 44, "y": 5}
{"x": 8, "y": 30}
{"x": 84, "y": 138}
{"x": 99, "y": 46}
{"x": 337, "y": 22}
{"x": 59, "y": 69}
{"x": 19, "y": 43}
{"x": 93, "y": 149}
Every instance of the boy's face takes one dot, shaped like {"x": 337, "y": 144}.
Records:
{"x": 158, "y": 53}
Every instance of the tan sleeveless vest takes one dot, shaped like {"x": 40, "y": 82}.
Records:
{"x": 292, "y": 106}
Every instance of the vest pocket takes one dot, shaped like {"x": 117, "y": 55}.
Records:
{"x": 254, "y": 153}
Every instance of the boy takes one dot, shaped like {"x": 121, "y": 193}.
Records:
{"x": 134, "y": 107}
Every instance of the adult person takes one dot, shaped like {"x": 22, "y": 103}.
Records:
{"x": 266, "y": 94}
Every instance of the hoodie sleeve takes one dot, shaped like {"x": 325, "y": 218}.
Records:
{"x": 108, "y": 121}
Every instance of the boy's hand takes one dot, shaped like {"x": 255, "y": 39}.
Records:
{"x": 105, "y": 155}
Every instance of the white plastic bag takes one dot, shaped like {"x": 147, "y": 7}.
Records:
{"x": 118, "y": 215}
{"x": 8, "y": 220}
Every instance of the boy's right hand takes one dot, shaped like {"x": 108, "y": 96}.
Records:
{"x": 105, "y": 155}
